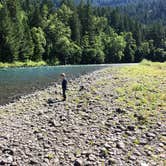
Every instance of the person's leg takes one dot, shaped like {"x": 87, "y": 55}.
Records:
{"x": 64, "y": 94}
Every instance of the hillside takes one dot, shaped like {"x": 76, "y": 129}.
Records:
{"x": 118, "y": 2}
{"x": 147, "y": 12}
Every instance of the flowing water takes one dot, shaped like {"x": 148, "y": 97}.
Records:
{"x": 15, "y": 82}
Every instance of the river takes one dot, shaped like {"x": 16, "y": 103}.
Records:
{"x": 15, "y": 82}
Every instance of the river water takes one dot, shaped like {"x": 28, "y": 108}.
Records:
{"x": 15, "y": 82}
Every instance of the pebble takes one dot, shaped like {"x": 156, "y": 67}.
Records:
{"x": 143, "y": 141}
{"x": 131, "y": 128}
{"x": 92, "y": 157}
{"x": 151, "y": 135}
{"x": 120, "y": 145}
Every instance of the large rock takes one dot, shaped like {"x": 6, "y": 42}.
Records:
{"x": 78, "y": 162}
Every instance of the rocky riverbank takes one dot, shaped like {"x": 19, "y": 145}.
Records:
{"x": 118, "y": 119}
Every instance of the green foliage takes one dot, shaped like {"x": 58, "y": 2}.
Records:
{"x": 23, "y": 64}
{"x": 1, "y": 6}
{"x": 115, "y": 48}
{"x": 39, "y": 41}
{"x": 73, "y": 34}
{"x": 130, "y": 48}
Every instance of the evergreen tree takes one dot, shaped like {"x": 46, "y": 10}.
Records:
{"x": 75, "y": 26}
{"x": 130, "y": 49}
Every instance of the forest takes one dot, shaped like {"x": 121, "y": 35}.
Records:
{"x": 38, "y": 30}
{"x": 147, "y": 12}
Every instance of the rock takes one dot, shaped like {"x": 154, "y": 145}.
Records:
{"x": 159, "y": 149}
{"x": 142, "y": 163}
{"x": 143, "y": 141}
{"x": 120, "y": 111}
{"x": 163, "y": 133}
{"x": 79, "y": 105}
{"x": 151, "y": 135}
{"x": 129, "y": 133}
{"x": 103, "y": 153}
{"x": 86, "y": 153}
{"x": 8, "y": 151}
{"x": 139, "y": 117}
{"x": 120, "y": 145}
{"x": 132, "y": 158}
{"x": 78, "y": 162}
{"x": 40, "y": 136}
{"x": 131, "y": 128}
{"x": 137, "y": 153}
{"x": 14, "y": 164}
{"x": 2, "y": 162}
{"x": 6, "y": 160}
{"x": 71, "y": 156}
{"x": 55, "y": 161}
{"x": 121, "y": 127}
{"x": 9, "y": 159}
{"x": 50, "y": 101}
{"x": 40, "y": 113}
{"x": 161, "y": 144}
{"x": 92, "y": 157}
{"x": 149, "y": 153}
{"x": 54, "y": 123}
{"x": 117, "y": 131}
{"x": 107, "y": 146}
{"x": 111, "y": 161}
{"x": 33, "y": 162}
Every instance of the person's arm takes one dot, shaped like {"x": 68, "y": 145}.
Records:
{"x": 66, "y": 84}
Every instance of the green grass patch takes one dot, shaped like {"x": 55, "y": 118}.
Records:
{"x": 154, "y": 64}
{"x": 144, "y": 90}
{"x": 23, "y": 64}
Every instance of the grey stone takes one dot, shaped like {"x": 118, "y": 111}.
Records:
{"x": 92, "y": 157}
{"x": 78, "y": 162}
{"x": 131, "y": 128}
{"x": 143, "y": 141}
{"x": 120, "y": 145}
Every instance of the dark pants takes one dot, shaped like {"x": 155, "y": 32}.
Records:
{"x": 64, "y": 93}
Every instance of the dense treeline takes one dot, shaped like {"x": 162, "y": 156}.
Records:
{"x": 36, "y": 30}
{"x": 147, "y": 12}
{"x": 116, "y": 2}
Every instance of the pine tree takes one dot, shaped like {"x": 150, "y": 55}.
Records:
{"x": 75, "y": 27}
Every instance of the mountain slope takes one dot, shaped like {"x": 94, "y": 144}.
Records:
{"x": 151, "y": 12}
{"x": 118, "y": 2}
{"x": 145, "y": 11}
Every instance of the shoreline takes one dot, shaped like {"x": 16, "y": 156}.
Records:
{"x": 15, "y": 96}
{"x": 100, "y": 125}
{"x": 44, "y": 64}
{"x": 47, "y": 88}
{"x": 51, "y": 86}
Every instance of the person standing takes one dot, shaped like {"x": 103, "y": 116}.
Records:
{"x": 64, "y": 85}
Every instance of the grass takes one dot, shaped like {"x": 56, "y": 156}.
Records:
{"x": 153, "y": 64}
{"x": 145, "y": 86}
{"x": 23, "y": 64}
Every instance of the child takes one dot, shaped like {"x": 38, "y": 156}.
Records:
{"x": 64, "y": 86}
